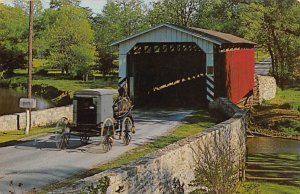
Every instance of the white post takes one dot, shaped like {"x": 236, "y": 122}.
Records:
{"x": 29, "y": 95}
{"x": 27, "y": 122}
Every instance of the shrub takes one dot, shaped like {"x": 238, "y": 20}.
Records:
{"x": 41, "y": 71}
{"x": 4, "y": 83}
{"x": 288, "y": 131}
{"x": 217, "y": 168}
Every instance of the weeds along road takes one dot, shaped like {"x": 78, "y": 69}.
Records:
{"x": 38, "y": 163}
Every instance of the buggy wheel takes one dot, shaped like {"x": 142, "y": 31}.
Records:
{"x": 128, "y": 126}
{"x": 108, "y": 127}
{"x": 63, "y": 125}
{"x": 84, "y": 139}
{"x": 62, "y": 136}
{"x": 107, "y": 130}
{"x": 61, "y": 140}
{"x": 107, "y": 143}
{"x": 126, "y": 138}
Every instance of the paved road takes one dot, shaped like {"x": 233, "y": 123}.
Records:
{"x": 38, "y": 163}
{"x": 263, "y": 67}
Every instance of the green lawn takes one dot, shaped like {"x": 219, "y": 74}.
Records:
{"x": 281, "y": 114}
{"x": 73, "y": 85}
{"x": 192, "y": 125}
{"x": 266, "y": 188}
{"x": 6, "y": 137}
{"x": 62, "y": 84}
{"x": 289, "y": 97}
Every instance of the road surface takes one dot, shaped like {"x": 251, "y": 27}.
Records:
{"x": 263, "y": 67}
{"x": 38, "y": 163}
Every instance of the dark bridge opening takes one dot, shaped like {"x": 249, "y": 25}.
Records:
{"x": 167, "y": 74}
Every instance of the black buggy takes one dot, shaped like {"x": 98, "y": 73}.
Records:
{"x": 97, "y": 113}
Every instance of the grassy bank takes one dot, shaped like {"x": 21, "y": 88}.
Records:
{"x": 192, "y": 125}
{"x": 266, "y": 188}
{"x": 279, "y": 116}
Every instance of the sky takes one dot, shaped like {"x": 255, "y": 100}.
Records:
{"x": 95, "y": 5}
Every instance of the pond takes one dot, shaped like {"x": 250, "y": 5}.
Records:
{"x": 269, "y": 145}
{"x": 9, "y": 101}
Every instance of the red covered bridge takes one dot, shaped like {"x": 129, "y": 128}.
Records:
{"x": 174, "y": 65}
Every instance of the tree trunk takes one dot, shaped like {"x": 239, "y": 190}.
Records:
{"x": 272, "y": 59}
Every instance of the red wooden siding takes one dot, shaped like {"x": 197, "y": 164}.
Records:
{"x": 240, "y": 73}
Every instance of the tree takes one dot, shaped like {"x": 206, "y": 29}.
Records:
{"x": 13, "y": 38}
{"x": 70, "y": 41}
{"x": 180, "y": 12}
{"x": 57, "y": 4}
{"x": 24, "y": 5}
{"x": 275, "y": 25}
{"x": 219, "y": 15}
{"x": 118, "y": 20}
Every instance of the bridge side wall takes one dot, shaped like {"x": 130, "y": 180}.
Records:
{"x": 265, "y": 88}
{"x": 39, "y": 118}
{"x": 166, "y": 169}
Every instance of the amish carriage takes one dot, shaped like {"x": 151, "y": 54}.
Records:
{"x": 97, "y": 114}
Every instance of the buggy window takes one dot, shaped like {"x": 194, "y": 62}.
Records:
{"x": 86, "y": 111}
{"x": 85, "y": 103}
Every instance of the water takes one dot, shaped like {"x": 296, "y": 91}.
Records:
{"x": 9, "y": 101}
{"x": 273, "y": 160}
{"x": 269, "y": 145}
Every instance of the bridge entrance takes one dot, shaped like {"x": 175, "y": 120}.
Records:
{"x": 167, "y": 74}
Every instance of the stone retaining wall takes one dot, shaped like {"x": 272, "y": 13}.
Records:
{"x": 39, "y": 118}
{"x": 171, "y": 168}
{"x": 265, "y": 88}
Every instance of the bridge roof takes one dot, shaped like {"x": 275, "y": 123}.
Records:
{"x": 215, "y": 37}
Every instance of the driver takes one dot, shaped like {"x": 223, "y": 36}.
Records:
{"x": 124, "y": 98}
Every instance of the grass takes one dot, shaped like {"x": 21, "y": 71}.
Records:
{"x": 72, "y": 85}
{"x": 62, "y": 84}
{"x": 289, "y": 97}
{"x": 6, "y": 137}
{"x": 192, "y": 125}
{"x": 266, "y": 188}
{"x": 279, "y": 116}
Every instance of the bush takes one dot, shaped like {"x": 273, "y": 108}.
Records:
{"x": 288, "y": 131}
{"x": 18, "y": 82}
{"x": 41, "y": 71}
{"x": 217, "y": 168}
{"x": 292, "y": 128}
{"x": 4, "y": 83}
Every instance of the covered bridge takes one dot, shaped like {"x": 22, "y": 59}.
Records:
{"x": 174, "y": 65}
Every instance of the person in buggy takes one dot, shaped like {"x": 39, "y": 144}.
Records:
{"x": 123, "y": 104}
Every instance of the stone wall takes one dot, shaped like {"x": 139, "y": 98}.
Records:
{"x": 39, "y": 118}
{"x": 265, "y": 88}
{"x": 170, "y": 169}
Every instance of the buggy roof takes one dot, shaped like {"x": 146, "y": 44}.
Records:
{"x": 96, "y": 92}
